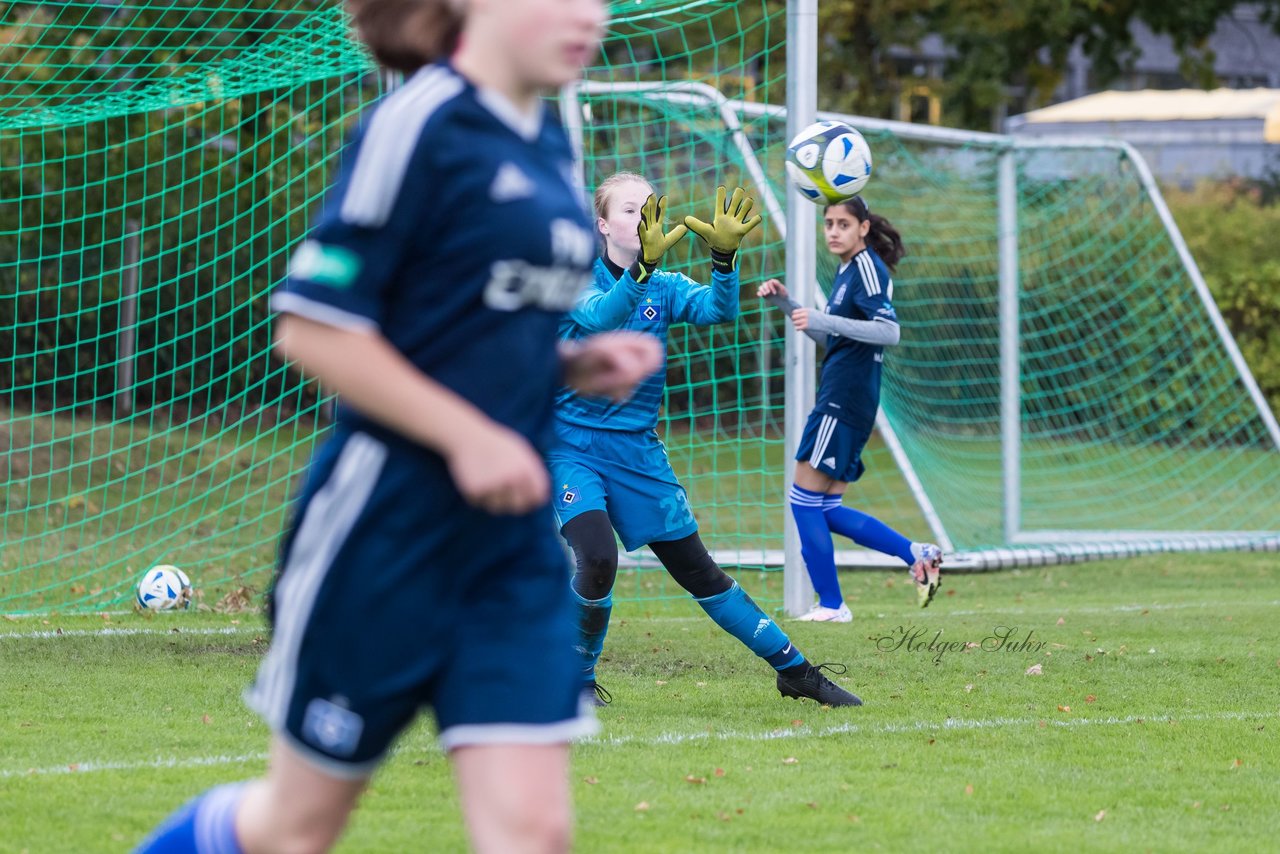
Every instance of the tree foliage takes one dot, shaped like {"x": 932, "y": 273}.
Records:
{"x": 1004, "y": 54}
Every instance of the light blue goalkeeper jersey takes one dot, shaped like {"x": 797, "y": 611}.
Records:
{"x": 614, "y": 301}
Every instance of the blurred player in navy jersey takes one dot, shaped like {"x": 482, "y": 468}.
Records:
{"x": 859, "y": 323}
{"x": 610, "y": 470}
{"x": 422, "y": 568}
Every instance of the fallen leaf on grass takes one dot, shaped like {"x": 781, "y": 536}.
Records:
{"x": 1236, "y": 763}
{"x": 1064, "y": 708}
{"x": 968, "y": 790}
{"x": 790, "y": 760}
{"x": 697, "y": 781}
{"x": 643, "y": 806}
{"x": 969, "y": 688}
{"x": 1061, "y": 622}
{"x": 1090, "y": 699}
{"x": 1035, "y": 670}
{"x": 659, "y": 682}
{"x": 235, "y": 601}
{"x": 591, "y": 781}
{"x": 719, "y": 772}
{"x": 1100, "y": 816}
{"x": 205, "y": 719}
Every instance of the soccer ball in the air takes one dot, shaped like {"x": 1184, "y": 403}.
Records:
{"x": 164, "y": 588}
{"x": 829, "y": 161}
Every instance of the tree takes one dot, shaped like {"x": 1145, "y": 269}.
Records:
{"x": 1005, "y": 53}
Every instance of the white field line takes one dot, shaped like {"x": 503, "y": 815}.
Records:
{"x": 127, "y": 632}
{"x": 1063, "y": 611}
{"x": 693, "y": 618}
{"x": 947, "y": 725}
{"x": 676, "y": 738}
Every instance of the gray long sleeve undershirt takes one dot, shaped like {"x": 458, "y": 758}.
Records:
{"x": 879, "y": 332}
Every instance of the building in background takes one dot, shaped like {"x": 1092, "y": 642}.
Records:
{"x": 1185, "y": 135}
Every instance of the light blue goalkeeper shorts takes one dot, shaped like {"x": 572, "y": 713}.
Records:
{"x": 627, "y": 475}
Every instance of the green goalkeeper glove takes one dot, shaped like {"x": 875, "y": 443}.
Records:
{"x": 654, "y": 243}
{"x": 727, "y": 228}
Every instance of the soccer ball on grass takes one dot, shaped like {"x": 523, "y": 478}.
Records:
{"x": 164, "y": 588}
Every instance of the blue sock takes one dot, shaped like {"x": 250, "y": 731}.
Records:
{"x": 865, "y": 530}
{"x": 593, "y": 625}
{"x": 736, "y": 613}
{"x": 815, "y": 545}
{"x": 205, "y": 825}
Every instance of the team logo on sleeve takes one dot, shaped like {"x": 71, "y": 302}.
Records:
{"x": 332, "y": 266}
{"x": 568, "y": 494}
{"x": 650, "y": 310}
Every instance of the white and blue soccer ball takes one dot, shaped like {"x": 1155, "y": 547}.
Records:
{"x": 830, "y": 162}
{"x": 164, "y": 588}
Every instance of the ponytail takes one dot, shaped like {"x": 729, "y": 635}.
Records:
{"x": 882, "y": 237}
{"x": 405, "y": 35}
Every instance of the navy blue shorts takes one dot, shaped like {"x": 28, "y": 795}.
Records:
{"x": 626, "y": 474}
{"x": 394, "y": 595}
{"x": 833, "y": 447}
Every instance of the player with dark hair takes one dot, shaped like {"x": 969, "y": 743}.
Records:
{"x": 611, "y": 470}
{"x": 422, "y": 568}
{"x": 858, "y": 324}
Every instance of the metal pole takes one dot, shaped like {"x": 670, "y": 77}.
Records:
{"x": 1010, "y": 372}
{"x": 802, "y": 268}
{"x": 127, "y": 342}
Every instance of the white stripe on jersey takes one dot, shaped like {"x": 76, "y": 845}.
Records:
{"x": 389, "y": 143}
{"x": 328, "y": 520}
{"x": 870, "y": 280}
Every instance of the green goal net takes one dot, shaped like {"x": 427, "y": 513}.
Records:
{"x": 159, "y": 162}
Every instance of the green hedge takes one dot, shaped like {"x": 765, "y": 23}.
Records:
{"x": 1233, "y": 229}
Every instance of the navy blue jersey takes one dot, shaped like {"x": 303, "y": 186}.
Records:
{"x": 453, "y": 229}
{"x": 613, "y": 300}
{"x": 850, "y": 386}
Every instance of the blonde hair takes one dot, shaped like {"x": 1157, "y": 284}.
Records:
{"x": 604, "y": 192}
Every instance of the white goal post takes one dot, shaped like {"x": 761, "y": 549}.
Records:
{"x": 795, "y": 222}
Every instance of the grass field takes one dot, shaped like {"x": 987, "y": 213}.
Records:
{"x": 1152, "y": 727}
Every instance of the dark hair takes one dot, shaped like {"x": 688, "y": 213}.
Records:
{"x": 882, "y": 237}
{"x": 404, "y": 35}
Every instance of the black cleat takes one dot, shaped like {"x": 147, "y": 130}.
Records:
{"x": 596, "y": 695}
{"x": 813, "y": 684}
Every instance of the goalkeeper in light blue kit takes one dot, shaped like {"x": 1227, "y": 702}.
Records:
{"x": 860, "y": 321}
{"x": 610, "y": 470}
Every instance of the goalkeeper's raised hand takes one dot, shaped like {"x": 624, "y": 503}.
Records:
{"x": 731, "y": 223}
{"x": 654, "y": 242}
